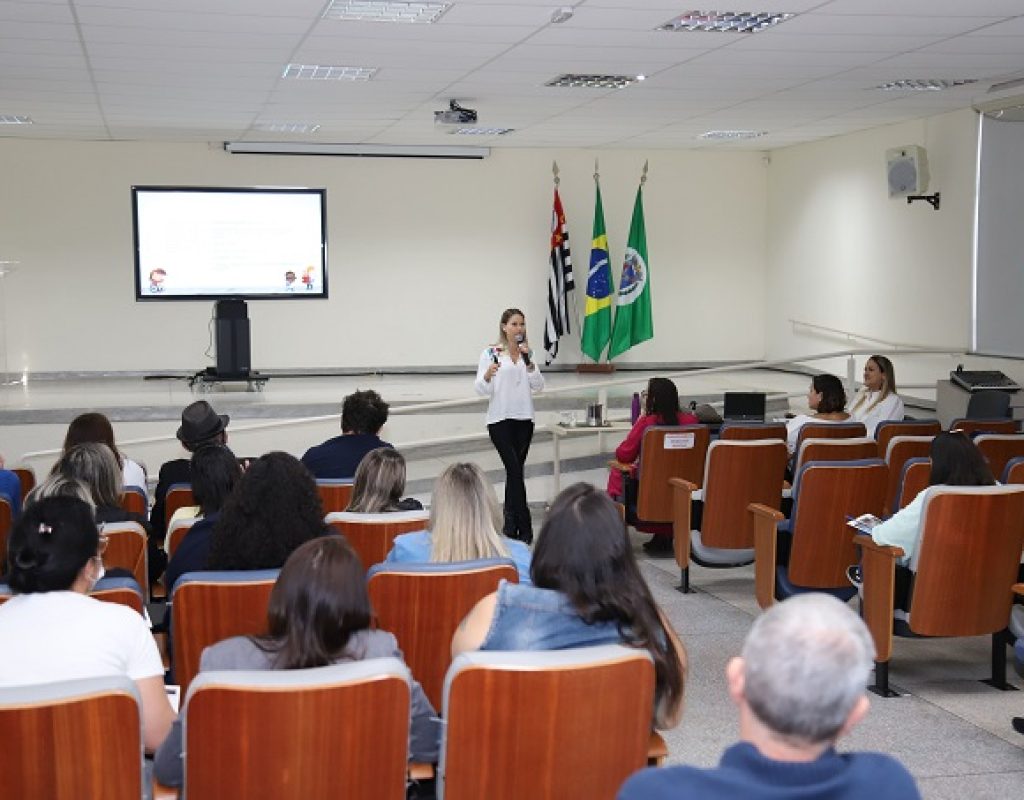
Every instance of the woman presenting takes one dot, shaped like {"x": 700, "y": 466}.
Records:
{"x": 507, "y": 375}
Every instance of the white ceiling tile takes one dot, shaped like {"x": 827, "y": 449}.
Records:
{"x": 884, "y": 25}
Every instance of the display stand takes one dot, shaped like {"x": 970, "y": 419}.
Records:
{"x": 234, "y": 357}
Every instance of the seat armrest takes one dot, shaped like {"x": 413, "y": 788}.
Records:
{"x": 765, "y": 546}
{"x": 682, "y": 494}
{"x": 878, "y": 564}
{"x": 657, "y": 750}
{"x": 1018, "y": 589}
{"x": 419, "y": 771}
{"x": 682, "y": 483}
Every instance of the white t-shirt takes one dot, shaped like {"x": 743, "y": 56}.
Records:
{"x": 794, "y": 425}
{"x": 133, "y": 474}
{"x": 61, "y": 636}
{"x": 511, "y": 387}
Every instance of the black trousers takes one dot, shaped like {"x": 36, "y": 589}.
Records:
{"x": 511, "y": 438}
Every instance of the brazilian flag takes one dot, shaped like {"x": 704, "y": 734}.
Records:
{"x": 597, "y": 319}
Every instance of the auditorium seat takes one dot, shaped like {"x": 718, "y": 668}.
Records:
{"x": 371, "y": 535}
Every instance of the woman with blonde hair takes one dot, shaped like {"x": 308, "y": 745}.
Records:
{"x": 379, "y": 483}
{"x": 465, "y": 525}
{"x": 877, "y": 399}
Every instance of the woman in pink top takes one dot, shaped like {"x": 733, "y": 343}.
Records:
{"x": 661, "y": 407}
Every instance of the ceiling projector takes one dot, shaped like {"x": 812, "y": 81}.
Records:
{"x": 455, "y": 115}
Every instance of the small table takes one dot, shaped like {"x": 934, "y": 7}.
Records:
{"x": 559, "y": 431}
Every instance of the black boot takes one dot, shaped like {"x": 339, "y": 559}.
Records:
{"x": 525, "y": 527}
{"x": 509, "y": 527}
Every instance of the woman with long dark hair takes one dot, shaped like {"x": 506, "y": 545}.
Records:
{"x": 587, "y": 590}
{"x": 271, "y": 511}
{"x": 660, "y": 407}
{"x": 319, "y": 614}
{"x": 96, "y": 427}
{"x": 508, "y": 375}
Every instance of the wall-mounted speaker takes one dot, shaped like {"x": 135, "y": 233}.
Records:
{"x": 907, "y": 170}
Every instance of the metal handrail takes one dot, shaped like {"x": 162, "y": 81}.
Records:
{"x": 433, "y": 405}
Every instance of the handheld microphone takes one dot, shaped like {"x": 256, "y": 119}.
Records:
{"x": 494, "y": 355}
{"x": 526, "y": 356}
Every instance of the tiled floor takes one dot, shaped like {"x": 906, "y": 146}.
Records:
{"x": 951, "y": 731}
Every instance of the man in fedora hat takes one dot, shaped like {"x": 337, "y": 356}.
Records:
{"x": 200, "y": 425}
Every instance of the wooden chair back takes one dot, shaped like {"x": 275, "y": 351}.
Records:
{"x": 211, "y": 606}
{"x": 177, "y": 531}
{"x": 854, "y": 448}
{"x": 6, "y": 523}
{"x": 975, "y": 426}
{"x": 135, "y": 500}
{"x": 126, "y": 548}
{"x": 899, "y": 451}
{"x": 527, "y": 724}
{"x": 971, "y": 538}
{"x": 1013, "y": 472}
{"x": 830, "y": 430}
{"x": 917, "y": 473}
{"x": 887, "y": 429}
{"x": 123, "y": 591}
{"x": 739, "y": 473}
{"x": 668, "y": 452}
{"x": 733, "y": 431}
{"x": 27, "y": 479}
{"x": 825, "y": 496}
{"x": 371, "y": 535}
{"x": 423, "y": 604}
{"x": 303, "y": 734}
{"x": 999, "y": 448}
{"x": 71, "y": 740}
{"x": 179, "y": 495}
{"x": 335, "y": 495}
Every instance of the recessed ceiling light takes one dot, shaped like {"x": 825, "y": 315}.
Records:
{"x": 576, "y": 81}
{"x": 483, "y": 131}
{"x": 385, "y": 11}
{"x": 725, "y": 21}
{"x": 732, "y": 134}
{"x": 15, "y": 119}
{"x": 924, "y": 84}
{"x": 320, "y": 72}
{"x": 286, "y": 127}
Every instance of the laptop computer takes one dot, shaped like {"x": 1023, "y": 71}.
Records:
{"x": 744, "y": 406}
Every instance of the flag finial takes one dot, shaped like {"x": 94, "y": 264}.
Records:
{"x": 554, "y": 171}
{"x": 643, "y": 176}
{"x": 597, "y": 172}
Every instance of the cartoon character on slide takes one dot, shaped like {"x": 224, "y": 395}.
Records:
{"x": 156, "y": 279}
{"x": 289, "y": 281}
{"x": 307, "y": 279}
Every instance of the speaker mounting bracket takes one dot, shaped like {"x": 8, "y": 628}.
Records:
{"x": 933, "y": 199}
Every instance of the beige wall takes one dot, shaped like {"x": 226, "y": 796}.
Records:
{"x": 423, "y": 255}
{"x": 842, "y": 254}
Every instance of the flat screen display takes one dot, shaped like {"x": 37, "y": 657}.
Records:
{"x": 198, "y": 243}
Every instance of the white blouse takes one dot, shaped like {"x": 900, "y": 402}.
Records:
{"x": 510, "y": 389}
{"x": 889, "y": 408}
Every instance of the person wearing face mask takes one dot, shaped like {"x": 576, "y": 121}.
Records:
{"x": 56, "y": 630}
{"x": 508, "y": 375}
{"x": 877, "y": 400}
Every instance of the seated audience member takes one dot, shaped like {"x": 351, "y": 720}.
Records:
{"x": 10, "y": 486}
{"x": 55, "y": 631}
{"x": 379, "y": 483}
{"x": 877, "y": 400}
{"x": 587, "y": 590}
{"x": 59, "y": 486}
{"x": 363, "y": 414}
{"x": 94, "y": 465}
{"x": 200, "y": 426}
{"x": 827, "y": 399}
{"x": 273, "y": 509}
{"x": 465, "y": 524}
{"x": 660, "y": 407}
{"x": 799, "y": 686}
{"x": 956, "y": 461}
{"x": 319, "y": 614}
{"x": 215, "y": 471}
{"x": 95, "y": 427}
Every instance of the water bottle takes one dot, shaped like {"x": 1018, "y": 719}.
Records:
{"x": 634, "y": 412}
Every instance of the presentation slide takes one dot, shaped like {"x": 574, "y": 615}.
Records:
{"x": 198, "y": 243}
